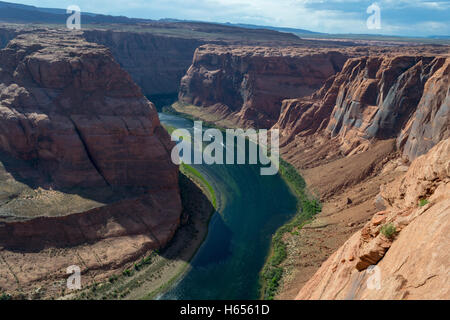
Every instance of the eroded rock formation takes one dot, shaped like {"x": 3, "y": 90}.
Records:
{"x": 81, "y": 126}
{"x": 80, "y": 116}
{"x": 156, "y": 63}
{"x": 249, "y": 83}
{"x": 360, "y": 131}
{"x": 158, "y": 54}
{"x": 404, "y": 97}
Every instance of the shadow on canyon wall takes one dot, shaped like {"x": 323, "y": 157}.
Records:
{"x": 19, "y": 179}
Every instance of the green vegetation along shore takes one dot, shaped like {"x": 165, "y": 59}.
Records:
{"x": 307, "y": 208}
{"x": 196, "y": 176}
{"x": 182, "y": 110}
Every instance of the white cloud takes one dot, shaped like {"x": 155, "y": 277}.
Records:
{"x": 340, "y": 16}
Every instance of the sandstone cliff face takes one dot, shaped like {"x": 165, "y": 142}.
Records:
{"x": 249, "y": 83}
{"x": 404, "y": 97}
{"x": 411, "y": 265}
{"x": 158, "y": 54}
{"x": 80, "y": 123}
{"x": 360, "y": 131}
{"x": 155, "y": 63}
{"x": 79, "y": 116}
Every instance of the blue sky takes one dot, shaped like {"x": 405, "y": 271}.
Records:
{"x": 398, "y": 17}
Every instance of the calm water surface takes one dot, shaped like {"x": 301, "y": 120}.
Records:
{"x": 251, "y": 208}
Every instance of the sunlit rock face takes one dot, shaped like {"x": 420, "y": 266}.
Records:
{"x": 77, "y": 127}
{"x": 411, "y": 263}
{"x": 68, "y": 106}
{"x": 249, "y": 83}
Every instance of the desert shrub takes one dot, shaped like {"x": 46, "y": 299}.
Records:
{"x": 127, "y": 272}
{"x": 388, "y": 230}
{"x": 279, "y": 253}
{"x": 272, "y": 276}
{"x": 147, "y": 260}
{"x": 423, "y": 202}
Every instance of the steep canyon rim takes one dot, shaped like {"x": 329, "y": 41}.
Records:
{"x": 254, "y": 146}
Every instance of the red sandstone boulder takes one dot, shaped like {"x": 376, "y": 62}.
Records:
{"x": 400, "y": 96}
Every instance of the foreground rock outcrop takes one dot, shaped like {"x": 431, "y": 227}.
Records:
{"x": 412, "y": 261}
{"x": 247, "y": 84}
{"x": 78, "y": 125}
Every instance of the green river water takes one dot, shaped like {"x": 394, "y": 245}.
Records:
{"x": 251, "y": 207}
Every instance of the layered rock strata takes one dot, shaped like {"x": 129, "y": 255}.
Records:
{"x": 81, "y": 127}
{"x": 359, "y": 132}
{"x": 249, "y": 83}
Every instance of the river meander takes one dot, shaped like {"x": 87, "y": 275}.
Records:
{"x": 251, "y": 207}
